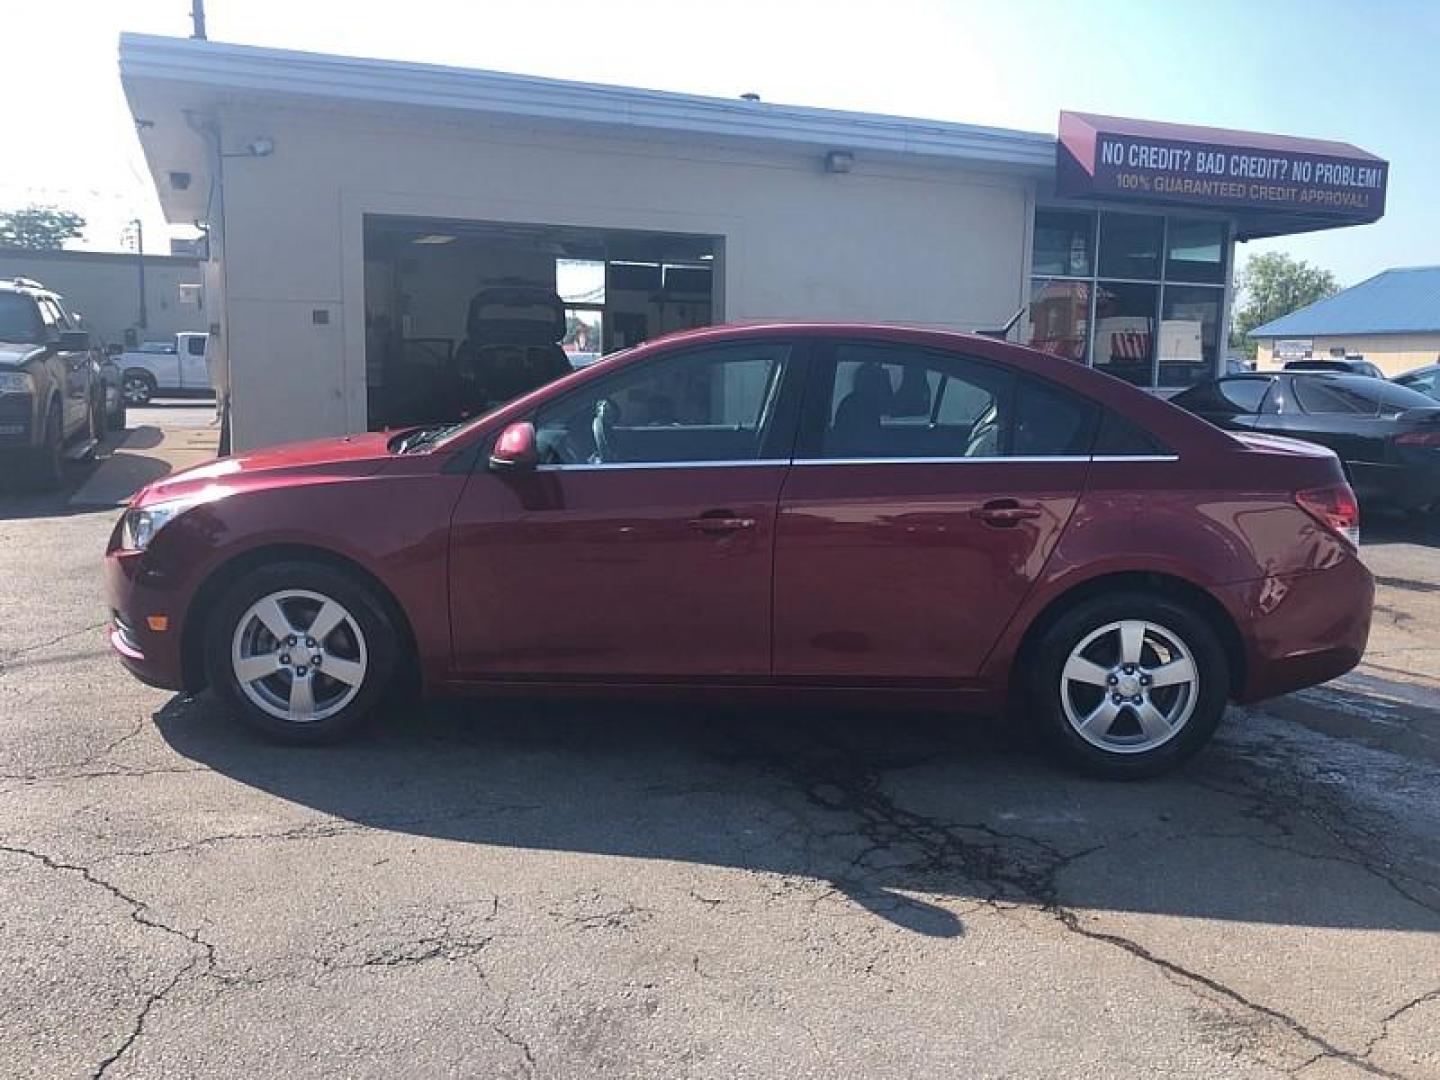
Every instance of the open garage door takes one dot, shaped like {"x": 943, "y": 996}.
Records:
{"x": 461, "y": 316}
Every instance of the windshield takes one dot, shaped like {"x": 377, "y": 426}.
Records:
{"x": 20, "y": 319}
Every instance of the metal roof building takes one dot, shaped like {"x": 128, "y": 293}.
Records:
{"x": 1402, "y": 300}
{"x": 1391, "y": 319}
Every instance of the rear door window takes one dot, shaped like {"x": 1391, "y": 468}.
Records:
{"x": 1321, "y": 397}
{"x": 895, "y": 401}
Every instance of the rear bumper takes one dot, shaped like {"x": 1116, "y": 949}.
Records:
{"x": 135, "y": 596}
{"x": 1403, "y": 486}
{"x": 1301, "y": 629}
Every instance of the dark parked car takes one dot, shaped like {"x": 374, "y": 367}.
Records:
{"x": 1344, "y": 367}
{"x": 1387, "y": 436}
{"x": 51, "y": 395}
{"x": 857, "y": 514}
{"x": 1426, "y": 380}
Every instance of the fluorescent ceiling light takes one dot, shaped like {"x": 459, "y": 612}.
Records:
{"x": 433, "y": 238}
{"x": 707, "y": 257}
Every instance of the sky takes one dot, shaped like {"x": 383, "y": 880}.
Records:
{"x": 1359, "y": 71}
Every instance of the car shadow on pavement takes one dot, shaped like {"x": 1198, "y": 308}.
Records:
{"x": 884, "y": 809}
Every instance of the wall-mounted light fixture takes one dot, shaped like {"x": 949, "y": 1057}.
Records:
{"x": 180, "y": 181}
{"x": 839, "y": 161}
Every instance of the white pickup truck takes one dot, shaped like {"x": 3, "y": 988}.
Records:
{"x": 165, "y": 367}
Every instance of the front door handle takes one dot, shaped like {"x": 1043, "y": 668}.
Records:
{"x": 1004, "y": 513}
{"x": 715, "y": 522}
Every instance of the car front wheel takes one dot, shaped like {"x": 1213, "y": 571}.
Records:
{"x": 1130, "y": 685}
{"x": 303, "y": 650}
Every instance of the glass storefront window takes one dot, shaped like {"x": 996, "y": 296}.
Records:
{"x": 1195, "y": 251}
{"x": 1059, "y": 317}
{"x": 583, "y": 336}
{"x": 580, "y": 281}
{"x": 1189, "y": 334}
{"x": 1130, "y": 246}
{"x": 1064, "y": 243}
{"x": 1125, "y": 330}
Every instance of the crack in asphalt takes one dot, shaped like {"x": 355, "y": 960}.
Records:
{"x": 840, "y": 780}
{"x": 56, "y": 640}
{"x": 139, "y": 913}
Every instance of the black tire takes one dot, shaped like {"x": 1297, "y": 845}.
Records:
{"x": 115, "y": 418}
{"x": 47, "y": 461}
{"x": 1048, "y": 706}
{"x": 377, "y": 632}
{"x": 138, "y": 387}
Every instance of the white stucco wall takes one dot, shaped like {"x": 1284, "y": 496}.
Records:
{"x": 889, "y": 241}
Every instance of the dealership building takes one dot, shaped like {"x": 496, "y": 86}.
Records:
{"x": 354, "y": 207}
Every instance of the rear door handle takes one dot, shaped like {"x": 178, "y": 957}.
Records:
{"x": 1003, "y": 513}
{"x": 720, "y": 521}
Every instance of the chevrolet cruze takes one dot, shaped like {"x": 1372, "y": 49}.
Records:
{"x": 859, "y": 513}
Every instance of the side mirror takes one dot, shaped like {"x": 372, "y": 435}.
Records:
{"x": 73, "y": 341}
{"x": 515, "y": 449}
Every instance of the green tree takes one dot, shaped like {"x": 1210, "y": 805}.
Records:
{"x": 1272, "y": 285}
{"x": 39, "y": 228}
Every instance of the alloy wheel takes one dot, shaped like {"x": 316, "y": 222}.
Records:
{"x": 298, "y": 655}
{"x": 1129, "y": 686}
{"x": 136, "y": 390}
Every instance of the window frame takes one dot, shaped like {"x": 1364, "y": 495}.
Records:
{"x": 778, "y": 428}
{"x": 1259, "y": 410}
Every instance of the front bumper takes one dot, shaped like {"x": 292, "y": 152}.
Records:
{"x": 1301, "y": 629}
{"x": 17, "y": 421}
{"x": 137, "y": 596}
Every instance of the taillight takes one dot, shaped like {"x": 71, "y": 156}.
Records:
{"x": 1419, "y": 438}
{"x": 1335, "y": 507}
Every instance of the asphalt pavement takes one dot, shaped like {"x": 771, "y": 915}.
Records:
{"x": 539, "y": 890}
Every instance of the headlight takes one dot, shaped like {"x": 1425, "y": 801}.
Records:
{"x": 16, "y": 382}
{"x": 139, "y": 526}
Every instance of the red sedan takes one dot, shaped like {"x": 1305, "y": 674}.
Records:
{"x": 851, "y": 512}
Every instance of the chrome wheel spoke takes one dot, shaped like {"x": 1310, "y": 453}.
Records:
{"x": 1132, "y": 641}
{"x": 269, "y": 612}
{"x": 1100, "y": 719}
{"x": 1152, "y": 721}
{"x": 1175, "y": 673}
{"x": 349, "y": 672}
{"x": 302, "y": 699}
{"x": 1078, "y": 669}
{"x": 250, "y": 668}
{"x": 326, "y": 620}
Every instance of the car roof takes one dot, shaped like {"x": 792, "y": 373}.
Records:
{"x": 26, "y": 287}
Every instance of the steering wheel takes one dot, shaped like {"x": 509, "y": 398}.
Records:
{"x": 605, "y": 412}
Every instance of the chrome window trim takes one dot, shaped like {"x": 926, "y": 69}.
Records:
{"x": 1036, "y": 459}
{"x": 610, "y": 466}
{"x": 1039, "y": 459}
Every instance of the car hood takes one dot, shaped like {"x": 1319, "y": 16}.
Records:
{"x": 277, "y": 466}
{"x": 13, "y": 355}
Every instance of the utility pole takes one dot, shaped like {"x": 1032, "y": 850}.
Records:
{"x": 197, "y": 16}
{"x": 143, "y": 321}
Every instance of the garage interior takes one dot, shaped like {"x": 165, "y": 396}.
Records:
{"x": 616, "y": 288}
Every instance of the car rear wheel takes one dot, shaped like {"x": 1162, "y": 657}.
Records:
{"x": 138, "y": 387}
{"x": 1130, "y": 685}
{"x": 303, "y": 650}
